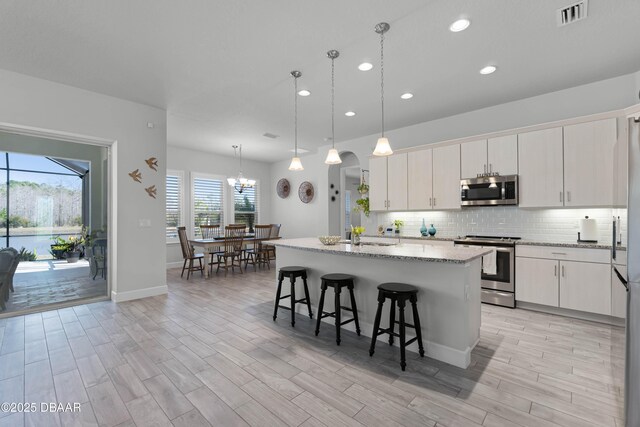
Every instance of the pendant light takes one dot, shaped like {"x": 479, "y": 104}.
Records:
{"x": 240, "y": 183}
{"x": 382, "y": 147}
{"x": 296, "y": 164}
{"x": 333, "y": 158}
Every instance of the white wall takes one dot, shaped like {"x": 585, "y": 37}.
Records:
{"x": 310, "y": 220}
{"x": 190, "y": 161}
{"x": 139, "y": 251}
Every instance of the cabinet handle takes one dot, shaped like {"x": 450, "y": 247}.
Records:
{"x": 555, "y": 271}
{"x": 568, "y": 196}
{"x": 558, "y": 253}
{"x": 485, "y": 168}
{"x": 563, "y": 271}
{"x": 490, "y": 168}
{"x": 434, "y": 202}
{"x": 430, "y": 201}
{"x": 385, "y": 203}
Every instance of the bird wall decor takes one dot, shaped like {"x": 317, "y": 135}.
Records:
{"x": 151, "y": 191}
{"x": 136, "y": 175}
{"x": 152, "y": 162}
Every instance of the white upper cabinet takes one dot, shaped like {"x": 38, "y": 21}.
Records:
{"x": 540, "y": 168}
{"x": 388, "y": 183}
{"x": 473, "y": 158}
{"x": 502, "y": 155}
{"x": 378, "y": 183}
{"x": 397, "y": 182}
{"x": 420, "y": 180}
{"x": 493, "y": 155}
{"x": 621, "y": 165}
{"x": 446, "y": 177}
{"x": 588, "y": 163}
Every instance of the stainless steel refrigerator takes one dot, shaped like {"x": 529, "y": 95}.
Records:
{"x": 632, "y": 278}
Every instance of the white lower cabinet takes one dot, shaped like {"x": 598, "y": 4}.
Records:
{"x": 573, "y": 278}
{"x": 537, "y": 281}
{"x": 585, "y": 287}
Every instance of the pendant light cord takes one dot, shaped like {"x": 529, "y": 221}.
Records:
{"x": 333, "y": 133}
{"x": 382, "y": 77}
{"x": 295, "y": 114}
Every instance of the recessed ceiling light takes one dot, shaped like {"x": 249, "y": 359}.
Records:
{"x": 304, "y": 92}
{"x": 488, "y": 69}
{"x": 365, "y": 66}
{"x": 349, "y": 114}
{"x": 459, "y": 25}
{"x": 406, "y": 95}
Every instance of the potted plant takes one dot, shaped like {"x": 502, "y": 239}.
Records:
{"x": 71, "y": 248}
{"x": 356, "y": 232}
{"x": 398, "y": 223}
{"x": 363, "y": 188}
{"x": 362, "y": 205}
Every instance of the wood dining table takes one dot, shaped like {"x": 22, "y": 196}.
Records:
{"x": 218, "y": 242}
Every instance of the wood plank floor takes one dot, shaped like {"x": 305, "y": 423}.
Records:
{"x": 210, "y": 354}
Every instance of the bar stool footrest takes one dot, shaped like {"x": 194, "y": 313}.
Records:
{"x": 411, "y": 341}
{"x": 408, "y": 325}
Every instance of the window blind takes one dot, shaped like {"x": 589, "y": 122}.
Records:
{"x": 208, "y": 203}
{"x": 246, "y": 206}
{"x": 174, "y": 212}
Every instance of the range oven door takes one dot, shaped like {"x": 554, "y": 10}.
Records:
{"x": 504, "y": 278}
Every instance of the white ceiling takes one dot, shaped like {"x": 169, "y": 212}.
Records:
{"x": 221, "y": 68}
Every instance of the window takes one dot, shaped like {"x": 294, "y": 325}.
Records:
{"x": 246, "y": 206}
{"x": 207, "y": 201}
{"x": 174, "y": 209}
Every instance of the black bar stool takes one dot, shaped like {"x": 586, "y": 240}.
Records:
{"x": 337, "y": 281}
{"x": 399, "y": 293}
{"x": 292, "y": 273}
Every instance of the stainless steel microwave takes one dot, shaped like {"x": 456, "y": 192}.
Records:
{"x": 489, "y": 191}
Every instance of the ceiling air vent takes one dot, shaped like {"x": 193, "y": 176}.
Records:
{"x": 572, "y": 13}
{"x": 269, "y": 135}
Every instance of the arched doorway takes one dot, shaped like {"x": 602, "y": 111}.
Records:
{"x": 343, "y": 182}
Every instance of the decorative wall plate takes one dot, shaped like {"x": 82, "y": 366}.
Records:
{"x": 305, "y": 192}
{"x": 283, "y": 188}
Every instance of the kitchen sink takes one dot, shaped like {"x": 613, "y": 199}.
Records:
{"x": 378, "y": 243}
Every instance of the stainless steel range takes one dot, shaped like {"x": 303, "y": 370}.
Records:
{"x": 498, "y": 283}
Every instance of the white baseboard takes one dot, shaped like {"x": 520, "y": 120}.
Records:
{"x": 582, "y": 315}
{"x": 139, "y": 293}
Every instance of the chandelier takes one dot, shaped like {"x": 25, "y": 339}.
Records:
{"x": 240, "y": 182}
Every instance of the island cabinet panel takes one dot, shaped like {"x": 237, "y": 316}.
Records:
{"x": 537, "y": 281}
{"x": 588, "y": 163}
{"x": 502, "y": 155}
{"x": 446, "y": 177}
{"x": 540, "y": 167}
{"x": 585, "y": 287}
{"x": 420, "y": 183}
{"x": 473, "y": 158}
{"x": 397, "y": 182}
{"x": 378, "y": 183}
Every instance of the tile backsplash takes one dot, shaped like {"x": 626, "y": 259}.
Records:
{"x": 547, "y": 225}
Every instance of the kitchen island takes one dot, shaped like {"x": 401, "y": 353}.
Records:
{"x": 448, "y": 279}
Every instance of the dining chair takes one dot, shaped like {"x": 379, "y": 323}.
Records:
{"x": 188, "y": 254}
{"x": 275, "y": 234}
{"x": 233, "y": 241}
{"x": 211, "y": 232}
{"x": 259, "y": 253}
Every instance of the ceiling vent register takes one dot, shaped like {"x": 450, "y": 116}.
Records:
{"x": 572, "y": 13}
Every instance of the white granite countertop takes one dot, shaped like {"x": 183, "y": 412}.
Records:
{"x": 403, "y": 251}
